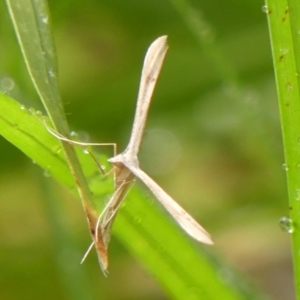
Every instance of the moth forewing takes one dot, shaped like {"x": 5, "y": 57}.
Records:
{"x": 98, "y": 240}
{"x": 128, "y": 159}
{"x": 151, "y": 69}
{"x": 123, "y": 180}
{"x": 123, "y": 176}
{"x": 185, "y": 220}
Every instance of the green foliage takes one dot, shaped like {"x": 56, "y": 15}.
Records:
{"x": 141, "y": 225}
{"x": 229, "y": 126}
{"x": 149, "y": 233}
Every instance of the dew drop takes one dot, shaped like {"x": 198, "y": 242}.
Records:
{"x": 286, "y": 224}
{"x": 86, "y": 151}
{"x": 297, "y": 194}
{"x": 38, "y": 113}
{"x": 289, "y": 86}
{"x": 285, "y": 167}
{"x": 22, "y": 107}
{"x": 45, "y": 19}
{"x": 51, "y": 73}
{"x": 284, "y": 51}
{"x": 7, "y": 84}
{"x": 265, "y": 9}
{"x": 47, "y": 173}
{"x": 73, "y": 134}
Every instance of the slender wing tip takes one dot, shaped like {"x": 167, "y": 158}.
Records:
{"x": 207, "y": 240}
{"x": 161, "y": 40}
{"x": 201, "y": 235}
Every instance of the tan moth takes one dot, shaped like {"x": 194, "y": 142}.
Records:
{"x": 126, "y": 164}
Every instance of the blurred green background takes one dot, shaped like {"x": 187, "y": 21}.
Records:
{"x": 212, "y": 141}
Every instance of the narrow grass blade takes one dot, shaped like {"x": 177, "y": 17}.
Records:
{"x": 284, "y": 24}
{"x": 31, "y": 22}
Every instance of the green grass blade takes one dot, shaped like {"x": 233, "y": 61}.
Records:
{"x": 31, "y": 22}
{"x": 179, "y": 264}
{"x": 32, "y": 26}
{"x": 284, "y": 24}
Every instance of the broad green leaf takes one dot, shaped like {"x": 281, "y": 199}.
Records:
{"x": 181, "y": 265}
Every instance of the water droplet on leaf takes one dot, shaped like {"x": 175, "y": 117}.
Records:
{"x": 289, "y": 86}
{"x": 51, "y": 73}
{"x": 45, "y": 19}
{"x": 47, "y": 173}
{"x": 38, "y": 113}
{"x": 297, "y": 194}
{"x": 284, "y": 51}
{"x": 286, "y": 224}
{"x": 265, "y": 9}
{"x": 73, "y": 134}
{"x": 7, "y": 84}
{"x": 86, "y": 151}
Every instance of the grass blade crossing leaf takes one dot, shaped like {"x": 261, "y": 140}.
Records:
{"x": 31, "y": 22}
